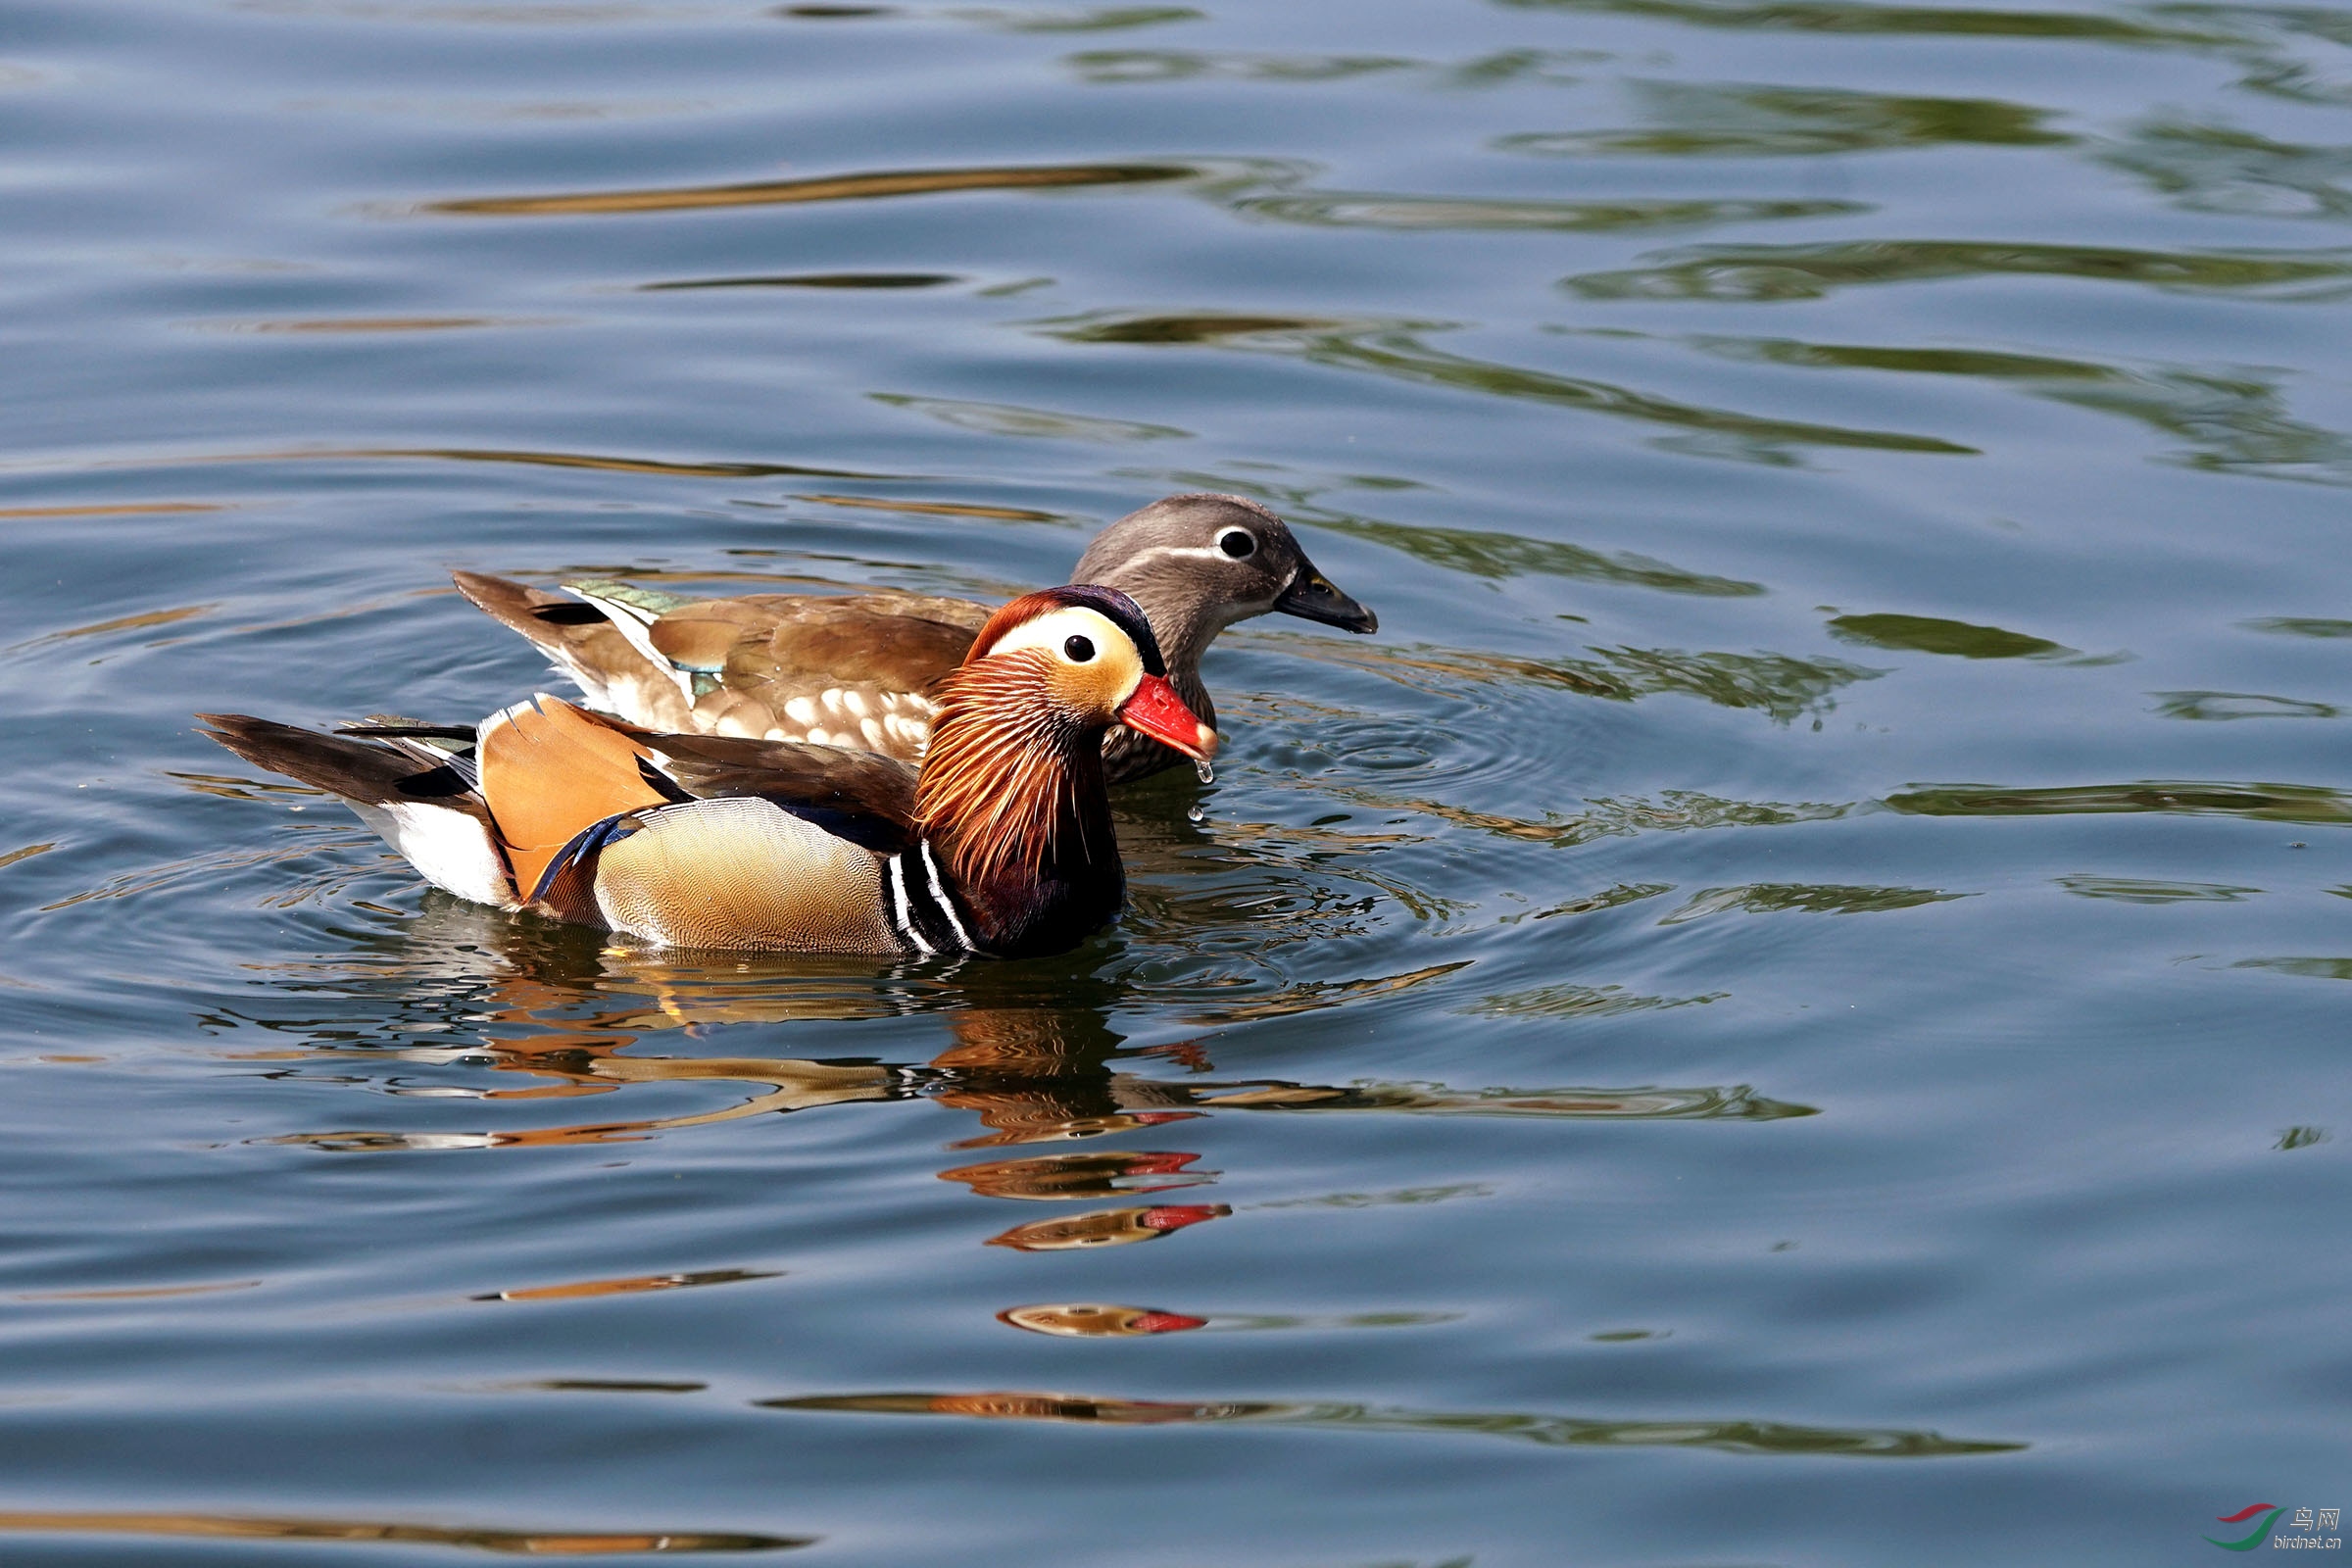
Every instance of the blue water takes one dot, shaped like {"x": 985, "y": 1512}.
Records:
{"x": 1789, "y": 1007}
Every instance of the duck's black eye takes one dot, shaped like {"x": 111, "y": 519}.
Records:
{"x": 1238, "y": 542}
{"x": 1080, "y": 650}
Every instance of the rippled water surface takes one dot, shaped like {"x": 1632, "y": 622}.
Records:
{"x": 1788, "y": 1008}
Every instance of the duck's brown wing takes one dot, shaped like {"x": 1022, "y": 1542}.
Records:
{"x": 854, "y": 672}
{"x": 866, "y": 798}
{"x": 584, "y": 642}
{"x": 849, "y": 670}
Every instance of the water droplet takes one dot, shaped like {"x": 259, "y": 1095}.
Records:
{"x": 1194, "y": 813}
{"x": 1203, "y": 771}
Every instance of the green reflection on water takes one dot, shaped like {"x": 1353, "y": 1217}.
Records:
{"x": 2216, "y": 705}
{"x": 1991, "y": 364}
{"x": 1592, "y": 904}
{"x": 2270, "y": 803}
{"x": 1139, "y": 66}
{"x": 2214, "y": 169}
{"x": 1926, "y": 634}
{"x": 1373, "y": 210}
{"x": 1483, "y": 552}
{"x": 2229, "y": 423}
{"x": 1081, "y": 19}
{"x": 1805, "y": 898}
{"x": 2308, "y": 968}
{"x": 1568, "y": 1000}
{"x": 1395, "y": 349}
{"x": 1713, "y": 120}
{"x": 1009, "y": 418}
{"x": 1158, "y": 67}
{"x": 2231, "y": 420}
{"x": 1406, "y": 1196}
{"x": 1811, "y": 272}
{"x": 1732, "y": 1436}
{"x": 1829, "y": 16}
{"x": 2148, "y": 890}
{"x": 2300, "y": 626}
{"x": 1778, "y": 684}
{"x": 1674, "y": 811}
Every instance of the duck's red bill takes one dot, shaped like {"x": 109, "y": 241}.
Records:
{"x": 1154, "y": 710}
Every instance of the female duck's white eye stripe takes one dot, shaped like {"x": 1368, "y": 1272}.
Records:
{"x": 1189, "y": 552}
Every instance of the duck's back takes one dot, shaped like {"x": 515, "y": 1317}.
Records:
{"x": 848, "y": 671}
{"x": 851, "y": 669}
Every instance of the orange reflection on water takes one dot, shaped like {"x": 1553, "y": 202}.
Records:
{"x": 138, "y": 1292}
{"x": 1016, "y": 1407}
{"x": 1097, "y": 1173}
{"x": 1106, "y": 1226}
{"x": 1097, "y": 1320}
{"x": 636, "y": 1284}
{"x": 826, "y": 188}
{"x": 519, "y": 1543}
{"x": 124, "y": 509}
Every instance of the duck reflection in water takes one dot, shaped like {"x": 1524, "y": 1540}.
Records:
{"x": 1031, "y": 1054}
{"x": 1098, "y": 1320}
{"x": 1110, "y": 1227}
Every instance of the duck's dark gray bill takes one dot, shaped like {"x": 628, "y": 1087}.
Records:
{"x": 1311, "y": 597}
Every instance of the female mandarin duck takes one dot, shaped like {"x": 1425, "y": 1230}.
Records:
{"x": 1001, "y": 844}
{"x": 855, "y": 670}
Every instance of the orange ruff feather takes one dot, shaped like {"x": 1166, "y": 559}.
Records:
{"x": 1002, "y": 778}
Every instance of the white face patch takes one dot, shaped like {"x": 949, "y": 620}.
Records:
{"x": 1114, "y": 660}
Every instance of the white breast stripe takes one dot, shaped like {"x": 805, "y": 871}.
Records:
{"x": 900, "y": 914}
{"x": 931, "y": 869}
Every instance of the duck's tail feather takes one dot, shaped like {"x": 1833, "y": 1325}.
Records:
{"x": 600, "y": 650}
{"x": 428, "y": 811}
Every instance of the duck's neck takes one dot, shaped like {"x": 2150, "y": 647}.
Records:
{"x": 1185, "y": 627}
{"x": 1012, "y": 803}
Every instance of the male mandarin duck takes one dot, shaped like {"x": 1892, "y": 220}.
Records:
{"x": 1001, "y": 845}
{"x": 857, "y": 671}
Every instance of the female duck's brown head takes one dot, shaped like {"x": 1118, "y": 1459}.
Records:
{"x": 1012, "y": 790}
{"x": 1197, "y": 564}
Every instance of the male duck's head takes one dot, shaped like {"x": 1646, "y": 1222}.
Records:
{"x": 1074, "y": 662}
{"x": 1013, "y": 782}
{"x": 1200, "y": 563}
